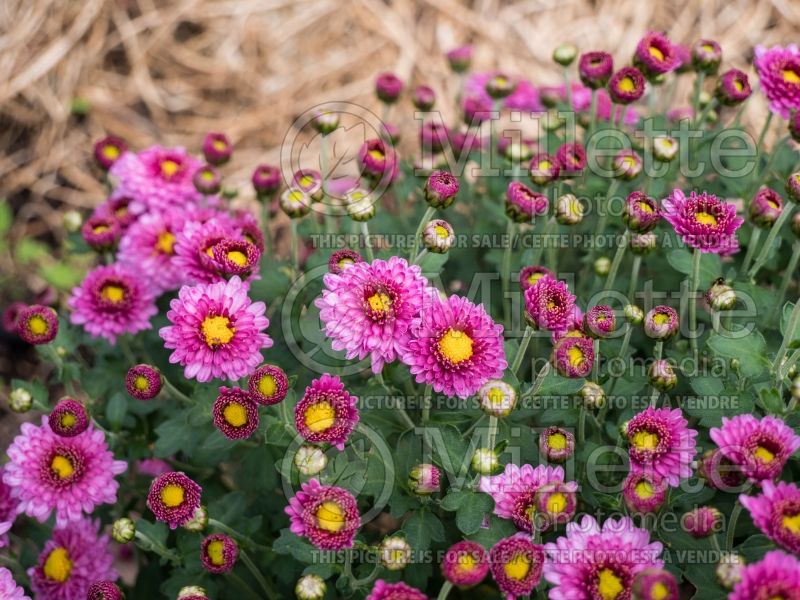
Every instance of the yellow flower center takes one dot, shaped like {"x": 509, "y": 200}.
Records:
{"x": 172, "y": 495}
{"x": 656, "y": 53}
{"x": 111, "y": 152}
{"x": 216, "y": 552}
{"x": 466, "y": 562}
{"x": 320, "y": 416}
{"x": 659, "y": 591}
{"x": 645, "y": 207}
{"x": 764, "y": 455}
{"x": 296, "y": 196}
{"x": 518, "y": 567}
{"x": 169, "y": 168}
{"x": 456, "y": 346}
{"x": 219, "y": 145}
{"x": 237, "y": 257}
{"x": 441, "y": 232}
{"x": 113, "y": 293}
{"x": 792, "y": 523}
{"x": 557, "y": 441}
{"x": 57, "y": 565}
{"x": 660, "y": 318}
{"x": 100, "y": 229}
{"x": 330, "y": 517}
{"x": 534, "y": 277}
{"x": 165, "y": 243}
{"x": 645, "y": 490}
{"x": 217, "y": 331}
{"x": 306, "y": 181}
{"x": 645, "y": 440}
{"x": 705, "y": 218}
{"x": 626, "y": 84}
{"x": 267, "y": 385}
{"x": 380, "y": 302}
{"x": 609, "y": 585}
{"x": 575, "y": 356}
{"x": 235, "y": 414}
{"x": 67, "y": 420}
{"x": 545, "y": 165}
{"x": 345, "y": 262}
{"x": 791, "y": 76}
{"x": 37, "y": 325}
{"x": 556, "y": 503}
{"x": 141, "y": 383}
{"x": 62, "y": 466}
{"x": 376, "y": 154}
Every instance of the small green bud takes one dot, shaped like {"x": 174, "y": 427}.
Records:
{"x": 123, "y": 530}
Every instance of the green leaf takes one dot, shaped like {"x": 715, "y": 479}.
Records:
{"x": 6, "y": 217}
{"x": 116, "y": 408}
{"x": 432, "y": 264}
{"x": 770, "y": 400}
{"x": 755, "y": 547}
{"x": 290, "y": 543}
{"x": 710, "y": 267}
{"x": 472, "y": 511}
{"x": 750, "y": 349}
{"x": 421, "y": 527}
{"x": 453, "y": 500}
{"x": 794, "y": 336}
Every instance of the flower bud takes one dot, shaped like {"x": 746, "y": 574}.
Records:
{"x": 395, "y": 553}
{"x": 217, "y": 148}
{"x": 326, "y": 122}
{"x": 634, "y": 314}
{"x": 516, "y": 152}
{"x": 595, "y": 69}
{"x": 207, "y": 180}
{"x": 643, "y": 492}
{"x": 643, "y": 243}
{"x": 626, "y": 85}
{"x": 765, "y": 208}
{"x": 20, "y": 400}
{"x": 720, "y": 296}
{"x": 720, "y": 472}
{"x": 192, "y": 592}
{"x": 795, "y": 389}
{"x": 641, "y": 212}
{"x": 704, "y": 99}
{"x": 655, "y": 584}
{"x": 600, "y": 321}
{"x": 569, "y": 210}
{"x": 485, "y": 461}
{"x": 438, "y": 236}
{"x": 424, "y": 479}
{"x": 72, "y": 221}
{"x": 662, "y": 375}
{"x": 295, "y": 203}
{"x": 460, "y": 58}
{"x": 101, "y": 233}
{"x": 622, "y": 428}
{"x": 441, "y": 189}
{"x": 497, "y": 398}
{"x": 423, "y": 97}
{"x": 108, "y": 150}
{"x": 310, "y": 587}
{"x": 123, "y": 530}
{"x": 37, "y": 324}
{"x": 523, "y": 205}
{"x": 104, "y": 590}
{"x": 552, "y": 121}
{"x": 550, "y": 96}
{"x": 388, "y": 87}
{"x": 544, "y": 169}
{"x": 665, "y": 148}
{"x": 573, "y": 357}
{"x": 360, "y": 205}
{"x": 602, "y": 266}
{"x": 793, "y": 187}
{"x": 792, "y": 372}
{"x": 310, "y": 460}
{"x": 661, "y": 323}
{"x": 627, "y": 165}
{"x": 199, "y": 520}
{"x": 556, "y": 444}
{"x": 433, "y": 137}
{"x": 733, "y": 88}
{"x": 565, "y": 54}
{"x": 729, "y": 569}
{"x": 571, "y": 159}
{"x": 794, "y": 125}
{"x": 500, "y": 85}
{"x": 266, "y": 180}
{"x": 706, "y": 56}
{"x": 702, "y": 522}
{"x": 592, "y": 395}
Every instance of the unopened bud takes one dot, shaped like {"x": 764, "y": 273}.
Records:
{"x": 20, "y": 400}
{"x": 602, "y": 266}
{"x": 565, "y": 54}
{"x": 123, "y": 530}
{"x": 662, "y": 376}
{"x": 485, "y": 461}
{"x": 569, "y": 210}
{"x": 720, "y": 296}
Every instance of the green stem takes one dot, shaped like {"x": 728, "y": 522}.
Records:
{"x": 537, "y": 256}
{"x": 234, "y": 534}
{"x": 426, "y": 414}
{"x": 751, "y": 249}
{"x": 266, "y": 203}
{"x": 791, "y": 269}
{"x": 248, "y": 562}
{"x": 582, "y": 426}
{"x": 323, "y": 165}
{"x": 622, "y": 352}
{"x": 445, "y": 591}
{"x": 505, "y": 271}
{"x": 593, "y": 117}
{"x": 764, "y": 129}
{"x": 523, "y": 347}
{"x": 295, "y": 249}
{"x": 637, "y": 263}
{"x": 603, "y": 220}
{"x": 618, "y": 256}
{"x": 570, "y": 105}
{"x": 764, "y": 253}
{"x": 149, "y": 545}
{"x": 420, "y": 257}
{"x": 418, "y": 235}
{"x": 657, "y": 350}
{"x": 492, "y": 434}
{"x": 367, "y": 244}
{"x": 788, "y": 334}
{"x": 537, "y": 383}
{"x": 698, "y": 88}
{"x": 693, "y": 302}
{"x": 732, "y": 525}
{"x": 175, "y": 392}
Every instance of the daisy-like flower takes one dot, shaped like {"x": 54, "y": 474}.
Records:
{"x": 544, "y": 168}
{"x": 644, "y": 492}
{"x": 326, "y": 412}
{"x": 174, "y": 498}
{"x": 703, "y": 221}
{"x": 342, "y": 259}
{"x": 112, "y": 300}
{"x": 438, "y": 236}
{"x": 523, "y": 205}
{"x": 465, "y": 564}
{"x": 599, "y": 562}
{"x": 497, "y": 398}
{"x": 328, "y": 516}
{"x": 378, "y": 161}
{"x": 595, "y": 69}
{"x": 777, "y": 575}
{"x": 194, "y": 249}
{"x": 268, "y": 385}
{"x": 104, "y": 590}
{"x": 101, "y": 233}
{"x": 309, "y": 181}
{"x": 37, "y": 324}
{"x": 143, "y": 382}
{"x": 655, "y": 54}
{"x": 641, "y": 212}
{"x": 655, "y": 584}
{"x": 573, "y": 356}
{"x": 369, "y": 307}
{"x": 514, "y": 492}
{"x": 383, "y": 590}
{"x": 733, "y": 87}
{"x": 235, "y": 413}
{"x": 661, "y": 322}
{"x": 556, "y": 444}
{"x": 662, "y": 443}
{"x": 148, "y": 247}
{"x": 108, "y": 151}
{"x": 549, "y": 304}
{"x": 74, "y": 558}
{"x": 626, "y": 85}
{"x": 69, "y": 418}
{"x": 9, "y": 590}
{"x": 216, "y": 331}
{"x": 218, "y": 553}
{"x": 516, "y": 564}
{"x": 157, "y": 178}
{"x": 455, "y": 347}
{"x": 529, "y": 276}
{"x": 68, "y": 475}
{"x": 236, "y": 257}
{"x": 555, "y": 503}
{"x": 779, "y": 73}
{"x": 627, "y": 165}
{"x": 776, "y": 512}
{"x": 760, "y": 447}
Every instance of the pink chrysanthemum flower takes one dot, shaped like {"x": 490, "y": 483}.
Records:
{"x": 465, "y": 564}
{"x": 71, "y": 561}
{"x": 523, "y": 205}
{"x": 655, "y": 54}
{"x": 368, "y": 308}
{"x": 571, "y": 158}
{"x": 37, "y": 324}
{"x": 112, "y": 301}
{"x": 760, "y": 447}
{"x": 235, "y": 413}
{"x": 70, "y": 476}
{"x": 8, "y": 511}
{"x": 342, "y": 259}
{"x": 216, "y": 331}
{"x": 516, "y": 564}
{"x": 600, "y": 321}
{"x": 143, "y": 382}
{"x": 104, "y": 590}
{"x": 328, "y": 516}
{"x": 9, "y": 590}
{"x": 455, "y": 347}
{"x": 549, "y": 303}
{"x": 777, "y": 575}
{"x": 117, "y": 207}
{"x": 703, "y": 221}
{"x": 383, "y": 590}
{"x": 779, "y": 73}
{"x": 573, "y": 355}
{"x": 174, "y": 498}
{"x": 776, "y": 512}
{"x": 194, "y": 249}
{"x": 644, "y": 492}
{"x": 595, "y": 69}
{"x": 237, "y": 257}
{"x": 108, "y": 150}
{"x": 514, "y": 492}
{"x": 641, "y": 212}
{"x": 661, "y": 442}
{"x": 626, "y": 85}
{"x": 268, "y": 385}
{"x": 156, "y": 178}
{"x": 655, "y": 584}
{"x": 599, "y": 562}
{"x": 702, "y": 521}
{"x": 101, "y": 233}
{"x": 68, "y": 418}
{"x": 148, "y": 247}
{"x": 326, "y": 412}
{"x": 218, "y": 553}
{"x": 529, "y": 276}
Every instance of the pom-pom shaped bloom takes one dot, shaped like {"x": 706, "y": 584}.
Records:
{"x": 108, "y": 151}
{"x": 143, "y": 382}
{"x": 328, "y": 516}
{"x": 104, "y": 590}
{"x": 8, "y": 511}
{"x": 655, "y": 54}
{"x": 703, "y": 221}
{"x": 71, "y": 561}
{"x": 326, "y": 412}
{"x": 101, "y": 233}
{"x": 556, "y": 444}
{"x": 516, "y": 564}
{"x": 68, "y": 475}
{"x": 641, "y": 213}
{"x": 733, "y": 87}
{"x": 571, "y": 159}
{"x": 37, "y": 324}
{"x": 595, "y": 69}
{"x": 465, "y": 564}
{"x": 342, "y": 259}
{"x": 194, "y": 248}
{"x": 236, "y": 257}
{"x": 777, "y": 575}
{"x": 369, "y": 307}
{"x": 549, "y": 304}
{"x": 779, "y": 74}
{"x": 216, "y": 331}
{"x": 662, "y": 443}
{"x": 766, "y": 207}
{"x": 702, "y": 521}
{"x": 235, "y": 413}
{"x": 441, "y": 189}
{"x": 156, "y": 178}
{"x": 217, "y": 148}
{"x": 383, "y": 590}
{"x": 599, "y": 562}
{"x": 218, "y": 553}
{"x": 600, "y": 321}
{"x": 573, "y": 356}
{"x": 661, "y": 322}
{"x": 9, "y": 590}
{"x": 174, "y": 498}
{"x": 112, "y": 300}
{"x": 69, "y": 418}
{"x": 760, "y": 447}
{"x": 266, "y": 180}
{"x": 388, "y": 87}
{"x": 455, "y": 347}
{"x": 555, "y": 503}
{"x": 148, "y": 247}
{"x": 626, "y": 85}
{"x": 644, "y": 492}
{"x": 776, "y": 512}
{"x": 529, "y": 276}
{"x": 268, "y": 385}
{"x": 655, "y": 584}
{"x": 523, "y": 205}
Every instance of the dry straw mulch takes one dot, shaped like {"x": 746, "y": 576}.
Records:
{"x": 169, "y": 70}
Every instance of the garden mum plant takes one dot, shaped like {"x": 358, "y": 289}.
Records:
{"x": 548, "y": 349}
